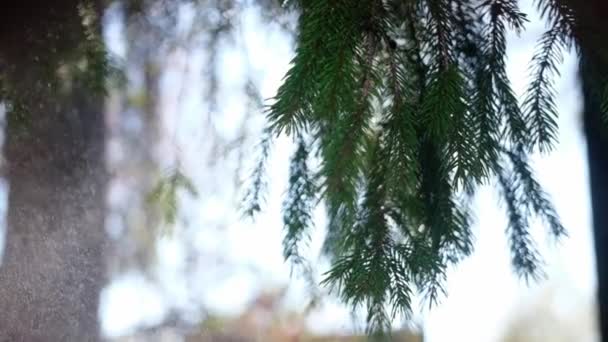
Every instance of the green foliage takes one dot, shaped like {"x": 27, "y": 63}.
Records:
{"x": 297, "y": 209}
{"x": 165, "y": 194}
{"x": 539, "y": 102}
{"x": 254, "y": 196}
{"x": 408, "y": 108}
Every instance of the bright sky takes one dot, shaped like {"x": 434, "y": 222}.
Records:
{"x": 483, "y": 294}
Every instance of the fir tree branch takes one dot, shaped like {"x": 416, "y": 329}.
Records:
{"x": 298, "y": 205}
{"x": 525, "y": 257}
{"x": 539, "y": 102}
{"x": 411, "y": 109}
{"x": 254, "y": 197}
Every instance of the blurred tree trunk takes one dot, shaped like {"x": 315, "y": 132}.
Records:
{"x": 52, "y": 267}
{"x": 136, "y": 168}
{"x": 52, "y": 270}
{"x": 597, "y": 154}
{"x": 591, "y": 32}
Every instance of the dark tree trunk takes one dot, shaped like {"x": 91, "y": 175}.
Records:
{"x": 597, "y": 154}
{"x": 591, "y": 32}
{"x": 52, "y": 268}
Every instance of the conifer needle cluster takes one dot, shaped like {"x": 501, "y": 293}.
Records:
{"x": 407, "y": 108}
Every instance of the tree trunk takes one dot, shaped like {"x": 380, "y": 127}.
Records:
{"x": 597, "y": 154}
{"x": 52, "y": 268}
{"x": 591, "y": 32}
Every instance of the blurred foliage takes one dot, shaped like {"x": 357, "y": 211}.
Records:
{"x": 264, "y": 320}
{"x": 165, "y": 195}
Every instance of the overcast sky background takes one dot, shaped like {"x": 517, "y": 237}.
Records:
{"x": 483, "y": 293}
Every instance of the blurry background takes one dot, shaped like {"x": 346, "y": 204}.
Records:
{"x": 184, "y": 125}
